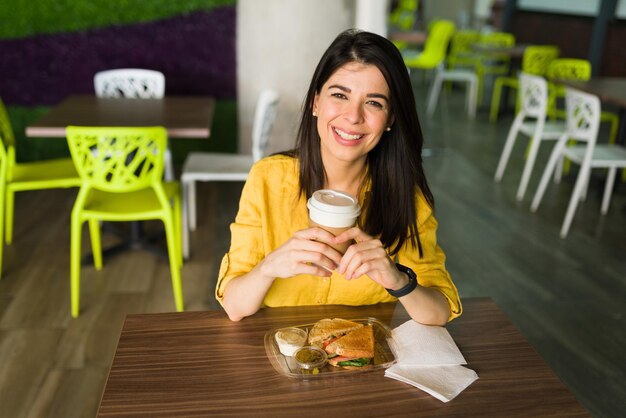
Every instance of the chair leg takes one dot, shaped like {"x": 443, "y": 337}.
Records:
{"x": 608, "y": 190}
{"x": 178, "y": 231}
{"x": 75, "y": 240}
{"x": 495, "y": 100}
{"x": 573, "y": 202}
{"x": 2, "y": 181}
{"x": 508, "y": 147}
{"x": 471, "y": 97}
{"x": 185, "y": 218}
{"x": 8, "y": 223}
{"x": 192, "y": 205}
{"x": 168, "y": 175}
{"x": 555, "y": 157}
{"x": 433, "y": 96}
{"x": 528, "y": 166}
{"x": 96, "y": 243}
{"x": 177, "y": 287}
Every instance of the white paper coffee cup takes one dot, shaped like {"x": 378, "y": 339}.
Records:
{"x": 333, "y": 211}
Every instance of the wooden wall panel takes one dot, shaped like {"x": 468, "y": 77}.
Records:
{"x": 614, "y": 55}
{"x": 572, "y": 34}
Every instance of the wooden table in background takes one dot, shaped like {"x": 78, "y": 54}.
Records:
{"x": 203, "y": 364}
{"x": 182, "y": 116}
{"x": 416, "y": 37}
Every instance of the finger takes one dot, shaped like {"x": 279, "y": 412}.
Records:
{"x": 313, "y": 270}
{"x": 373, "y": 248}
{"x": 353, "y": 233}
{"x": 361, "y": 261}
{"x": 315, "y": 234}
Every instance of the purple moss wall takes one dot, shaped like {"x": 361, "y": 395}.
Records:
{"x": 196, "y": 52}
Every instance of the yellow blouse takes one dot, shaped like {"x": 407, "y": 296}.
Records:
{"x": 271, "y": 209}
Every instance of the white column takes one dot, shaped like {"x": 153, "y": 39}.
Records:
{"x": 371, "y": 15}
{"x": 279, "y": 43}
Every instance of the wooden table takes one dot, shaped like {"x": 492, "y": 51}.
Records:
{"x": 202, "y": 364}
{"x": 182, "y": 116}
{"x": 414, "y": 37}
{"x": 514, "y": 52}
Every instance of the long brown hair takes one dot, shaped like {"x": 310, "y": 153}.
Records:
{"x": 395, "y": 164}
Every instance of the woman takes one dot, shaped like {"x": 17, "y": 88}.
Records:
{"x": 359, "y": 134}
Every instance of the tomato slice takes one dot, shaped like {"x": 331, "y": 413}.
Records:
{"x": 327, "y": 342}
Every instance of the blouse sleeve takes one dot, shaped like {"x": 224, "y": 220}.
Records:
{"x": 430, "y": 269}
{"x": 246, "y": 247}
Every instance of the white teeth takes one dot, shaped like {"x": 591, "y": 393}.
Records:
{"x": 346, "y": 135}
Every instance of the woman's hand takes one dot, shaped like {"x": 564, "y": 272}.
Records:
{"x": 425, "y": 305}
{"x": 308, "y": 251}
{"x": 368, "y": 256}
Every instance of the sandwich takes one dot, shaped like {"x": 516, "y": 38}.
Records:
{"x": 354, "y": 350}
{"x": 327, "y": 330}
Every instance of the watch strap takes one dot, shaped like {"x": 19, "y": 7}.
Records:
{"x": 410, "y": 286}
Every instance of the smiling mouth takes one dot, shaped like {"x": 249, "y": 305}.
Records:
{"x": 347, "y": 136}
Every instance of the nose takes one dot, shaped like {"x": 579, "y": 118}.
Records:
{"x": 354, "y": 112}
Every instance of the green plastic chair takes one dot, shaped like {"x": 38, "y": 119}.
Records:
{"x": 403, "y": 18}
{"x": 493, "y": 63}
{"x": 37, "y": 175}
{"x": 121, "y": 170}
{"x": 461, "y": 52}
{"x": 573, "y": 69}
{"x": 435, "y": 48}
{"x": 3, "y": 180}
{"x": 535, "y": 61}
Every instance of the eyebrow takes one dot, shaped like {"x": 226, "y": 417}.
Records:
{"x": 347, "y": 90}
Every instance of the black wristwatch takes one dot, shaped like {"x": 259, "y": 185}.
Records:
{"x": 411, "y": 285}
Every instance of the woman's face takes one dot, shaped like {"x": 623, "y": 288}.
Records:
{"x": 352, "y": 113}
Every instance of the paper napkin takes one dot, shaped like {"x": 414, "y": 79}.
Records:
{"x": 428, "y": 358}
{"x": 442, "y": 382}
{"x": 424, "y": 345}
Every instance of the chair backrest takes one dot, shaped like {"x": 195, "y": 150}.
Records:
{"x": 436, "y": 46}
{"x": 131, "y": 83}
{"x": 534, "y": 95}
{"x": 6, "y": 131}
{"x": 462, "y": 41}
{"x": 497, "y": 39}
{"x": 117, "y": 159}
{"x": 582, "y": 116}
{"x": 7, "y": 144}
{"x": 569, "y": 69}
{"x": 403, "y": 16}
{"x": 537, "y": 58}
{"x": 264, "y": 116}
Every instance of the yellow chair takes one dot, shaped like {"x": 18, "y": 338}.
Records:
{"x": 435, "y": 48}
{"x": 38, "y": 175}
{"x": 121, "y": 170}
{"x": 493, "y": 63}
{"x": 535, "y": 61}
{"x": 461, "y": 52}
{"x": 403, "y": 18}
{"x": 573, "y": 69}
{"x": 3, "y": 179}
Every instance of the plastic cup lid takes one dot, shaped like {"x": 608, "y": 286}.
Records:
{"x": 333, "y": 208}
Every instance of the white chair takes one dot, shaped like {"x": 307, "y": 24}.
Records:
{"x": 130, "y": 83}
{"x": 583, "y": 121}
{"x": 464, "y": 76}
{"x": 534, "y": 100}
{"x": 134, "y": 83}
{"x": 205, "y": 166}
